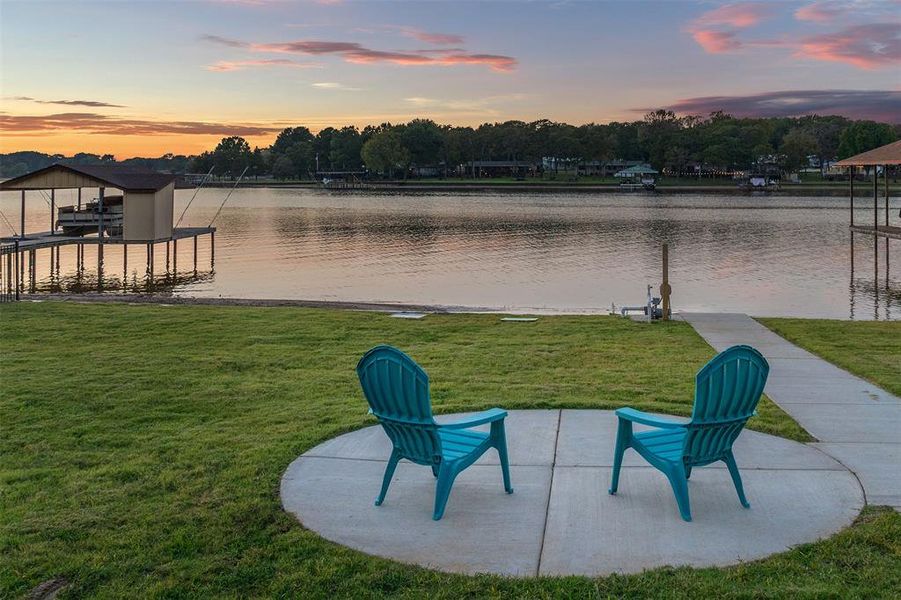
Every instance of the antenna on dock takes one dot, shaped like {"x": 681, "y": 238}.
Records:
{"x": 228, "y": 195}
{"x": 202, "y": 181}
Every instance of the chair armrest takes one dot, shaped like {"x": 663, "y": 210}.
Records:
{"x": 488, "y": 416}
{"x": 637, "y": 416}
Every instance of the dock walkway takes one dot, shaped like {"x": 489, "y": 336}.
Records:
{"x": 46, "y": 239}
{"x": 854, "y": 421}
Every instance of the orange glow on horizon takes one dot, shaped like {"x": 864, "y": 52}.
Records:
{"x": 120, "y": 146}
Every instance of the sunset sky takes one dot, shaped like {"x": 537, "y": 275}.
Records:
{"x": 145, "y": 78}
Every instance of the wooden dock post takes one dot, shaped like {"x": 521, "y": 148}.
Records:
{"x": 885, "y": 177}
{"x": 124, "y": 266}
{"x": 175, "y": 259}
{"x": 195, "y": 254}
{"x": 875, "y": 200}
{"x": 150, "y": 262}
{"x": 18, "y": 270}
{"x": 52, "y": 212}
{"x": 665, "y": 289}
{"x": 212, "y": 249}
{"x": 851, "y": 179}
{"x": 167, "y": 258}
{"x": 32, "y": 270}
{"x": 22, "y": 224}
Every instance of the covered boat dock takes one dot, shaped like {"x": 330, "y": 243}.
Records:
{"x": 140, "y": 211}
{"x": 885, "y": 157}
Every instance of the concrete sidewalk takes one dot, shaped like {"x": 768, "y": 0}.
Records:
{"x": 854, "y": 421}
{"x": 560, "y": 520}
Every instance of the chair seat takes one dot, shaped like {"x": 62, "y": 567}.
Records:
{"x": 458, "y": 443}
{"x": 663, "y": 443}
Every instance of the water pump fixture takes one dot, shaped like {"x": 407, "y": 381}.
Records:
{"x": 652, "y": 309}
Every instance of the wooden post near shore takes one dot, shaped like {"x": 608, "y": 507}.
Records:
{"x": 875, "y": 200}
{"x": 851, "y": 180}
{"x": 665, "y": 289}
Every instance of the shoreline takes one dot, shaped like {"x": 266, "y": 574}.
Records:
{"x": 161, "y": 299}
{"x": 363, "y": 306}
{"x": 794, "y": 190}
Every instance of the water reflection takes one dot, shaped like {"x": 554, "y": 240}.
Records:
{"x": 577, "y": 252}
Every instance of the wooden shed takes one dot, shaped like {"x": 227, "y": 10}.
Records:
{"x": 142, "y": 213}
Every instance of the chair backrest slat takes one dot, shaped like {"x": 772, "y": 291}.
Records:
{"x": 727, "y": 391}
{"x": 397, "y": 390}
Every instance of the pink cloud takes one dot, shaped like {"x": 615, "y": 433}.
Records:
{"x": 716, "y": 30}
{"x": 97, "y": 123}
{"x": 740, "y": 15}
{"x": 864, "y": 46}
{"x": 821, "y": 12}
{"x": 879, "y": 105}
{"x": 237, "y": 65}
{"x": 439, "y": 39}
{"x": 716, "y": 42}
{"x": 353, "y": 52}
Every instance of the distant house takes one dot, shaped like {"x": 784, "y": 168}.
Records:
{"x": 610, "y": 168}
{"x": 500, "y": 168}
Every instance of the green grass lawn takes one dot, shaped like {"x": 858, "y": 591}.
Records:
{"x": 869, "y": 349}
{"x": 141, "y": 448}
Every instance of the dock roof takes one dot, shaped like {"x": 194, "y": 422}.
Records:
{"x": 127, "y": 178}
{"x": 890, "y": 154}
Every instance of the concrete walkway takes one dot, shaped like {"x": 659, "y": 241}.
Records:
{"x": 560, "y": 520}
{"x": 854, "y": 421}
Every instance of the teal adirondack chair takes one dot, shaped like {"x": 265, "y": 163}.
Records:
{"x": 397, "y": 390}
{"x": 727, "y": 391}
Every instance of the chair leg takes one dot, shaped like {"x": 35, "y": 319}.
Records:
{"x": 389, "y": 473}
{"x": 687, "y": 472}
{"x": 434, "y": 470}
{"x": 736, "y": 478}
{"x": 623, "y": 440}
{"x": 446, "y": 476}
{"x": 679, "y": 483}
{"x": 500, "y": 443}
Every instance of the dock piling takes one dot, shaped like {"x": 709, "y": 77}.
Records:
{"x": 195, "y": 255}
{"x": 851, "y": 180}
{"x": 212, "y": 249}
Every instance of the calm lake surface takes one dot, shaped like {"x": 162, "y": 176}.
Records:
{"x": 579, "y": 252}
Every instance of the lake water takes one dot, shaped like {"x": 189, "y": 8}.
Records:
{"x": 578, "y": 252}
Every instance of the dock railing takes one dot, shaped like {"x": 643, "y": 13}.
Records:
{"x": 9, "y": 271}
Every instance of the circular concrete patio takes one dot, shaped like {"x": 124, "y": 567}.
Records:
{"x": 560, "y": 520}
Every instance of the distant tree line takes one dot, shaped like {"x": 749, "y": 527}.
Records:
{"x": 18, "y": 163}
{"x": 666, "y": 141}
{"x": 678, "y": 145}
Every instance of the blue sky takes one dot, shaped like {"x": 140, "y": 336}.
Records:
{"x": 183, "y": 74}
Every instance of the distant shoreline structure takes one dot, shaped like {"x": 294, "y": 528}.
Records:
{"x": 547, "y": 188}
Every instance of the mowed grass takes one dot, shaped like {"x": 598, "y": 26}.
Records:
{"x": 141, "y": 448}
{"x": 869, "y": 349}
